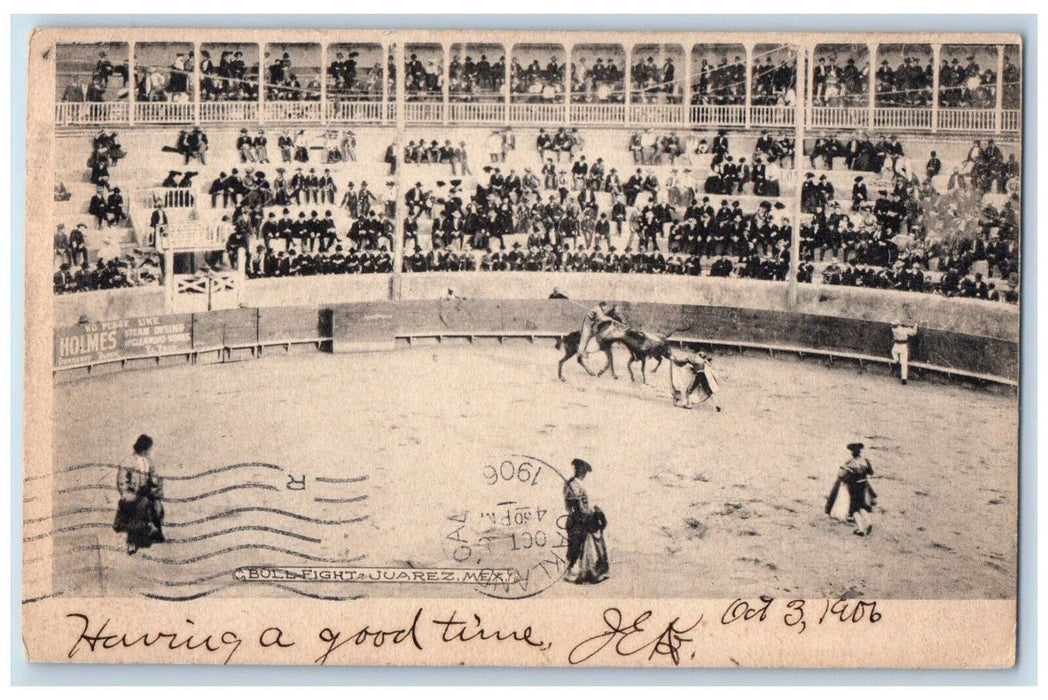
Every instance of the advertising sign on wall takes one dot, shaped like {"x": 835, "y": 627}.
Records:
{"x": 113, "y": 340}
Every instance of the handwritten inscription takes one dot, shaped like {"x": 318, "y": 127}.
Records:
{"x": 644, "y": 635}
{"x": 798, "y": 612}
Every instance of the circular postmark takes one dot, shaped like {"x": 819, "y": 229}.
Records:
{"x": 514, "y": 537}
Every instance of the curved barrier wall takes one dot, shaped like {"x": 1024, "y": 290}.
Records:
{"x": 373, "y": 324}
{"x": 967, "y": 316}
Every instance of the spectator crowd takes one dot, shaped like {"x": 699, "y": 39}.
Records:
{"x": 895, "y": 230}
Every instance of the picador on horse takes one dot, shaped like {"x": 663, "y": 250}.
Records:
{"x": 606, "y": 325}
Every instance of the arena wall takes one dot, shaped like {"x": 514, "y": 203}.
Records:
{"x": 958, "y": 335}
{"x": 966, "y": 316}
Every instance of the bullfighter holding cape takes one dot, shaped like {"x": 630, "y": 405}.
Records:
{"x": 861, "y": 498}
{"x": 140, "y": 510}
{"x": 587, "y": 552}
{"x": 695, "y": 377}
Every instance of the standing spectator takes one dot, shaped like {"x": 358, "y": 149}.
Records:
{"x": 901, "y": 337}
{"x": 933, "y": 167}
{"x": 158, "y": 223}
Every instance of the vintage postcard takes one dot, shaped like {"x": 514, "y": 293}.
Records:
{"x": 522, "y": 348}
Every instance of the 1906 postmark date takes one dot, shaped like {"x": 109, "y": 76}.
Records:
{"x": 518, "y": 524}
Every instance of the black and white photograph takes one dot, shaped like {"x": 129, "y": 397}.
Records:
{"x": 344, "y": 319}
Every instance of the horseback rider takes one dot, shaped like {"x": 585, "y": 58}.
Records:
{"x": 599, "y": 319}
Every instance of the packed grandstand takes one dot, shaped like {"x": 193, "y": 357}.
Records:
{"x": 603, "y": 158}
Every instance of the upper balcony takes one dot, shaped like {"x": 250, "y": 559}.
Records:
{"x": 909, "y": 88}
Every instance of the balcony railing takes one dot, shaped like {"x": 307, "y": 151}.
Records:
{"x": 719, "y": 115}
{"x": 366, "y": 112}
{"x": 424, "y": 112}
{"x": 902, "y": 118}
{"x": 537, "y": 113}
{"x": 165, "y": 112}
{"x": 772, "y": 115}
{"x": 229, "y": 111}
{"x": 291, "y": 111}
{"x": 967, "y": 119}
{"x": 478, "y": 112}
{"x": 656, "y": 114}
{"x": 1011, "y": 120}
{"x": 914, "y": 119}
{"x": 839, "y": 117}
{"x": 70, "y": 113}
{"x": 598, "y": 113}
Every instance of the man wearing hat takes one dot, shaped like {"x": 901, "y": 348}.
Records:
{"x": 859, "y": 194}
{"x": 244, "y": 147}
{"x": 77, "y": 245}
{"x": 327, "y": 188}
{"x": 854, "y": 474}
{"x": 115, "y": 207}
{"x": 62, "y": 253}
{"x": 287, "y": 146}
{"x": 901, "y": 337}
{"x": 196, "y": 146}
{"x": 63, "y": 280}
{"x": 259, "y": 145}
{"x": 587, "y": 555}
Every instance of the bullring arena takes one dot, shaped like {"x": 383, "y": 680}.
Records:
{"x": 367, "y": 420}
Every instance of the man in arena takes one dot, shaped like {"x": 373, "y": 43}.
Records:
{"x": 901, "y": 337}
{"x": 698, "y": 378}
{"x": 599, "y": 317}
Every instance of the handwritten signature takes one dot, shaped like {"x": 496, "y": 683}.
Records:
{"x": 635, "y": 638}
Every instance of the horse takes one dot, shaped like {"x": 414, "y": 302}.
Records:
{"x": 641, "y": 346}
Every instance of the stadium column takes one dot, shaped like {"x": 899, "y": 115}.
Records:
{"x": 169, "y": 278}
{"x": 133, "y": 92}
{"x": 385, "y": 82}
{"x": 323, "y": 83}
{"x": 749, "y": 83}
{"x": 807, "y": 54}
{"x": 798, "y": 155}
{"x": 999, "y": 101}
{"x": 568, "y": 50}
{"x": 686, "y": 93}
{"x": 936, "y": 51}
{"x": 398, "y": 218}
{"x": 871, "y": 61}
{"x": 507, "y": 80}
{"x": 628, "y": 82}
{"x": 196, "y": 82}
{"x": 261, "y": 82}
{"x": 445, "y": 90}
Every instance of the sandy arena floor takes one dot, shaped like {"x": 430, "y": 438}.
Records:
{"x": 699, "y": 504}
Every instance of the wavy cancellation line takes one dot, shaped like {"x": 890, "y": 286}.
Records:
{"x": 210, "y": 555}
{"x": 180, "y": 499}
{"x": 336, "y": 480}
{"x": 185, "y": 540}
{"x": 207, "y": 518}
{"x": 265, "y": 509}
{"x": 177, "y": 477}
